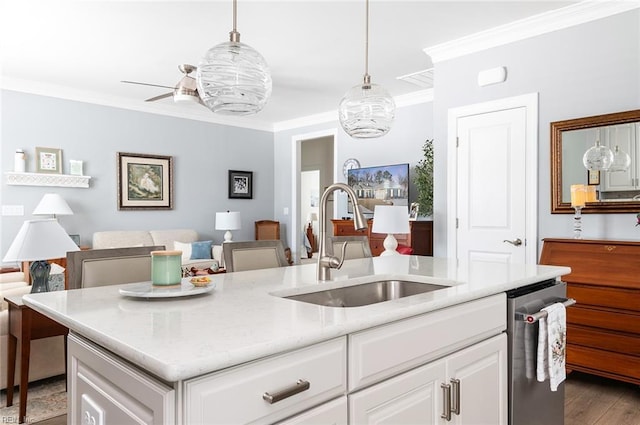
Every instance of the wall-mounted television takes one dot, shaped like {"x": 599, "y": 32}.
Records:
{"x": 380, "y": 185}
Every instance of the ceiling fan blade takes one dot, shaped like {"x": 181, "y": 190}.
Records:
{"x": 162, "y": 96}
{"x": 147, "y": 84}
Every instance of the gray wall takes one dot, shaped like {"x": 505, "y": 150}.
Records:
{"x": 202, "y": 152}
{"x": 581, "y": 71}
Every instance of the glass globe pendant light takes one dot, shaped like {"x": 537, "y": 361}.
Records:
{"x": 367, "y": 110}
{"x": 621, "y": 160}
{"x": 597, "y": 157}
{"x": 233, "y": 78}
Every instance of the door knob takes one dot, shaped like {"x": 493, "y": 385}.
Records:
{"x": 517, "y": 242}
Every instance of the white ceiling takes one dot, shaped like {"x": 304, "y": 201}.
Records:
{"x": 83, "y": 49}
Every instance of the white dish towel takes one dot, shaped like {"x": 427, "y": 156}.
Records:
{"x": 552, "y": 336}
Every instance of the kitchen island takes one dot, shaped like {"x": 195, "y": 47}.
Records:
{"x": 230, "y": 356}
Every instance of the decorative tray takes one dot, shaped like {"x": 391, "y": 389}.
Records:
{"x": 149, "y": 290}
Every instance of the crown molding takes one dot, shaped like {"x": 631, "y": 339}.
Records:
{"x": 67, "y": 93}
{"x": 576, "y": 14}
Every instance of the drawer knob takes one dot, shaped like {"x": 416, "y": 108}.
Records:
{"x": 300, "y": 386}
{"x": 609, "y": 247}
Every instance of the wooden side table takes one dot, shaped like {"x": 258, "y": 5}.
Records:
{"x": 26, "y": 325}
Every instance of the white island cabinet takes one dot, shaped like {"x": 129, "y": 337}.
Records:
{"x": 245, "y": 354}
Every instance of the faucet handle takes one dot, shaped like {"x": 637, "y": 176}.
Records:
{"x": 343, "y": 251}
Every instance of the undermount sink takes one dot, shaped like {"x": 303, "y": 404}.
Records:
{"x": 366, "y": 293}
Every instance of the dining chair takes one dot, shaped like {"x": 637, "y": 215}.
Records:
{"x": 252, "y": 255}
{"x": 357, "y": 246}
{"x": 113, "y": 266}
{"x": 268, "y": 230}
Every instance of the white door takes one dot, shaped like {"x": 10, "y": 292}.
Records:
{"x": 478, "y": 377}
{"x": 415, "y": 397}
{"x": 494, "y": 196}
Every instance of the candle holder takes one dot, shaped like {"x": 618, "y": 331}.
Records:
{"x": 577, "y": 223}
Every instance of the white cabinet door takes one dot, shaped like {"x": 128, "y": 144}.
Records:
{"x": 331, "y": 413}
{"x": 482, "y": 374}
{"x": 622, "y": 136}
{"x": 415, "y": 397}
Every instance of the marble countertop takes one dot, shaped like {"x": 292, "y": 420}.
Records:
{"x": 245, "y": 316}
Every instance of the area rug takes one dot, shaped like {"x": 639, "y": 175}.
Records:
{"x": 46, "y": 399}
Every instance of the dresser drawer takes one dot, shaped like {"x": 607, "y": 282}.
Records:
{"x": 236, "y": 395}
{"x": 604, "y": 319}
{"x": 604, "y": 339}
{"x": 378, "y": 353}
{"x": 626, "y": 299}
{"x": 613, "y": 365}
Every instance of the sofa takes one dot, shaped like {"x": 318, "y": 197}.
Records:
{"x": 47, "y": 354}
{"x": 185, "y": 240}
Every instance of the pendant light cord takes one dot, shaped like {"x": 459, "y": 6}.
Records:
{"x": 367, "y": 78}
{"x": 234, "y": 35}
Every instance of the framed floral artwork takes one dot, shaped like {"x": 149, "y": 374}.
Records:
{"x": 48, "y": 160}
{"x": 145, "y": 182}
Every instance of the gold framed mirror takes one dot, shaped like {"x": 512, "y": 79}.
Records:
{"x": 617, "y": 193}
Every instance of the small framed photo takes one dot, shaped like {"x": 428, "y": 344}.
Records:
{"x": 145, "y": 182}
{"x": 75, "y": 167}
{"x": 593, "y": 177}
{"x": 240, "y": 184}
{"x": 413, "y": 211}
{"x": 48, "y": 160}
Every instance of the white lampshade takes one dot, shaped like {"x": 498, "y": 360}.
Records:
{"x": 229, "y": 220}
{"x": 312, "y": 217}
{"x": 52, "y": 204}
{"x": 40, "y": 240}
{"x": 390, "y": 219}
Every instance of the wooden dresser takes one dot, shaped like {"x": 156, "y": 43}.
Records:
{"x": 420, "y": 238}
{"x": 603, "y": 328}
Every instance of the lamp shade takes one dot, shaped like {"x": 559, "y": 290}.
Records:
{"x": 312, "y": 217}
{"x": 40, "y": 240}
{"x": 390, "y": 219}
{"x": 229, "y": 220}
{"x": 52, "y": 204}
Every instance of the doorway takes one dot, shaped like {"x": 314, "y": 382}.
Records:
{"x": 492, "y": 182}
{"x": 314, "y": 154}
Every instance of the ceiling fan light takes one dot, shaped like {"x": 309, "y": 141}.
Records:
{"x": 367, "y": 111}
{"x": 234, "y": 79}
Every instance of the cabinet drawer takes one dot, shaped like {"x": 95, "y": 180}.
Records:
{"x": 604, "y": 340}
{"x": 627, "y": 299}
{"x": 388, "y": 350}
{"x": 604, "y": 319}
{"x": 236, "y": 395}
{"x": 613, "y": 365}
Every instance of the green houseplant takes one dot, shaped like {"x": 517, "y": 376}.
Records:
{"x": 423, "y": 179}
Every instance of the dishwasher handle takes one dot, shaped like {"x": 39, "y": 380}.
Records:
{"x": 534, "y": 317}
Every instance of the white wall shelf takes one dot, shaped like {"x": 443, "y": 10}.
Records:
{"x": 41, "y": 179}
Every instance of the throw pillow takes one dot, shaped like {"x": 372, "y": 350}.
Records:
{"x": 185, "y": 248}
{"x": 201, "y": 250}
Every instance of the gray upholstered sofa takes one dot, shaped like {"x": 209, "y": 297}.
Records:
{"x": 166, "y": 238}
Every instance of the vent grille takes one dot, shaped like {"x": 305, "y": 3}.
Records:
{"x": 422, "y": 79}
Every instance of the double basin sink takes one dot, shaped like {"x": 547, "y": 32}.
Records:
{"x": 366, "y": 293}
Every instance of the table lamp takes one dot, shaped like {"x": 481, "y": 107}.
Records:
{"x": 37, "y": 241}
{"x": 578, "y": 200}
{"x": 52, "y": 204}
{"x": 390, "y": 219}
{"x": 228, "y": 221}
{"x": 311, "y": 218}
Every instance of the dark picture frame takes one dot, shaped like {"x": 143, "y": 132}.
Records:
{"x": 240, "y": 184}
{"x": 145, "y": 182}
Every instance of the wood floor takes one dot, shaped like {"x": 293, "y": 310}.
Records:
{"x": 589, "y": 400}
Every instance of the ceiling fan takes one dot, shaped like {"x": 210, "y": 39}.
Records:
{"x": 184, "y": 91}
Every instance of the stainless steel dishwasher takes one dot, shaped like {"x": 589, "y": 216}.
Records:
{"x": 531, "y": 402}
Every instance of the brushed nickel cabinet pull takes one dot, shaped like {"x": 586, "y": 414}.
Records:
{"x": 455, "y": 399}
{"x": 300, "y": 386}
{"x": 446, "y": 401}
